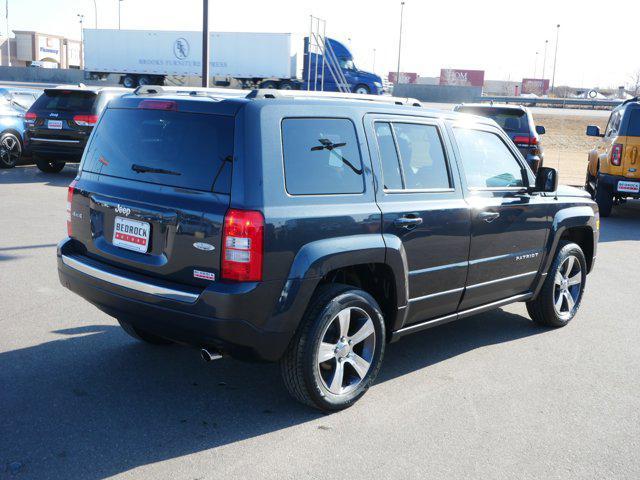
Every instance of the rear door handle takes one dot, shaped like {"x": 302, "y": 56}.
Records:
{"x": 407, "y": 222}
{"x": 488, "y": 216}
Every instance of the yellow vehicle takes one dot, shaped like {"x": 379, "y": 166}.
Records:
{"x": 613, "y": 174}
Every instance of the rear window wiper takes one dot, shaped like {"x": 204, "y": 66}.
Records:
{"x": 144, "y": 169}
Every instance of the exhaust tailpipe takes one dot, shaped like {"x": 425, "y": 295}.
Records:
{"x": 208, "y": 356}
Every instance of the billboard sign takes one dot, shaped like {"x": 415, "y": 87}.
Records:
{"x": 405, "y": 77}
{"x": 537, "y": 86}
{"x": 463, "y": 78}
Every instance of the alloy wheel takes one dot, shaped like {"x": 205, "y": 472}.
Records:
{"x": 10, "y": 150}
{"x": 567, "y": 286}
{"x": 346, "y": 350}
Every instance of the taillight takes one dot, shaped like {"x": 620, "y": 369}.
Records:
{"x": 30, "y": 118}
{"x": 158, "y": 105}
{"x": 86, "y": 120}
{"x": 70, "y": 192}
{"x": 525, "y": 140}
{"x": 616, "y": 154}
{"x": 242, "y": 245}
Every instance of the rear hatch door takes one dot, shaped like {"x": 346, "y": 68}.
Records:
{"x": 631, "y": 144}
{"x": 64, "y": 114}
{"x": 153, "y": 192}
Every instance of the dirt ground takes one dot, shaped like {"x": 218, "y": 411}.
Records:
{"x": 566, "y": 145}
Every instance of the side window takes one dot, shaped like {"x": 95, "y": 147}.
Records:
{"x": 419, "y": 162}
{"x": 392, "y": 177}
{"x": 487, "y": 161}
{"x": 321, "y": 156}
{"x": 614, "y": 125}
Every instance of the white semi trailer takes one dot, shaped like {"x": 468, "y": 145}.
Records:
{"x": 147, "y": 57}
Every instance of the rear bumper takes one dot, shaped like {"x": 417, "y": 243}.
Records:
{"x": 245, "y": 321}
{"x": 613, "y": 181}
{"x": 69, "y": 150}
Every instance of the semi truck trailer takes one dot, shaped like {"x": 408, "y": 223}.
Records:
{"x": 262, "y": 60}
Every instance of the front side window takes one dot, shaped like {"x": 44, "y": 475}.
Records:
{"x": 487, "y": 161}
{"x": 321, "y": 156}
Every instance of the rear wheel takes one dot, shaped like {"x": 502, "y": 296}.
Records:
{"x": 336, "y": 355}
{"x": 561, "y": 295}
{"x": 49, "y": 166}
{"x": 144, "y": 80}
{"x": 129, "y": 81}
{"x": 604, "y": 198}
{"x": 10, "y": 150}
{"x": 269, "y": 84}
{"x": 142, "y": 335}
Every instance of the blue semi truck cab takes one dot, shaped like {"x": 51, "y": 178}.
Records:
{"x": 335, "y": 71}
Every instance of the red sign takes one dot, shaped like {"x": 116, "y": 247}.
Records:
{"x": 405, "y": 77}
{"x": 537, "y": 86}
{"x": 465, "y": 78}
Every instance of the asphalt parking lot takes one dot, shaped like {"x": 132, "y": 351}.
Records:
{"x": 491, "y": 396}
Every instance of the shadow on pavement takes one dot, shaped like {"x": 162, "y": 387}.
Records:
{"x": 623, "y": 224}
{"x": 96, "y": 403}
{"x": 31, "y": 174}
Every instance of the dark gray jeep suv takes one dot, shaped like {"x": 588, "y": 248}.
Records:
{"x": 314, "y": 229}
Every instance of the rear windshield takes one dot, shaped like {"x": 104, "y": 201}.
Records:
{"x": 509, "y": 119}
{"x": 178, "y": 149}
{"x": 634, "y": 123}
{"x": 65, "y": 100}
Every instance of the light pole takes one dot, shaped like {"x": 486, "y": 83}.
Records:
{"x": 399, "y": 44}
{"x": 8, "y": 37}
{"x": 535, "y": 67}
{"x": 205, "y": 43}
{"x": 119, "y": 7}
{"x": 544, "y": 59}
{"x": 81, "y": 20}
{"x": 95, "y": 9}
{"x": 373, "y": 68}
{"x": 555, "y": 59}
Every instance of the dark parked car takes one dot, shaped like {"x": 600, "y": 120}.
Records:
{"x": 312, "y": 231}
{"x": 517, "y": 122}
{"x": 14, "y": 103}
{"x": 59, "y": 123}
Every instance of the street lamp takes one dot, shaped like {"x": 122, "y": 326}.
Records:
{"x": 544, "y": 60}
{"x": 399, "y": 44}
{"x": 8, "y": 37}
{"x": 535, "y": 67}
{"x": 81, "y": 20}
{"x": 373, "y": 68}
{"x": 555, "y": 59}
{"x": 119, "y": 6}
{"x": 205, "y": 43}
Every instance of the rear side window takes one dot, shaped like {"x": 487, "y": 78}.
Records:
{"x": 633, "y": 129}
{"x": 412, "y": 156}
{"x": 65, "y": 100}
{"x": 487, "y": 161}
{"x": 510, "y": 120}
{"x": 321, "y": 156}
{"x": 178, "y": 149}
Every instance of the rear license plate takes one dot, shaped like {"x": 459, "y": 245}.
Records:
{"x": 131, "y": 234}
{"x": 629, "y": 187}
{"x": 54, "y": 124}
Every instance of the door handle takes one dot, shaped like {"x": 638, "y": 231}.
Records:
{"x": 407, "y": 222}
{"x": 488, "y": 216}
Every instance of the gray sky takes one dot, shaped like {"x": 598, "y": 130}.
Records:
{"x": 598, "y": 40}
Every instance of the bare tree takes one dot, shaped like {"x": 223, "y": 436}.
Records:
{"x": 634, "y": 83}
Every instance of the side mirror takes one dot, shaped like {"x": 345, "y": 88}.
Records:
{"x": 594, "y": 131}
{"x": 540, "y": 130}
{"x": 546, "y": 180}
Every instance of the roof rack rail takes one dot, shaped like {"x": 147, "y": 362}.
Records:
{"x": 271, "y": 93}
{"x": 630, "y": 100}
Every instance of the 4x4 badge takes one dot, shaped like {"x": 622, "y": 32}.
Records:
{"x": 204, "y": 246}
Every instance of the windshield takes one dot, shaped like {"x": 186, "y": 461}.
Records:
{"x": 347, "y": 64}
{"x": 179, "y": 149}
{"x": 509, "y": 119}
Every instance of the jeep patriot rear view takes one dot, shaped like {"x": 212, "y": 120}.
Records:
{"x": 313, "y": 229}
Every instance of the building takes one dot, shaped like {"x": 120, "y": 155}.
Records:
{"x": 53, "y": 51}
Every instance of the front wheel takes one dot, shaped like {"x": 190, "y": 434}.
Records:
{"x": 336, "y": 355}
{"x": 361, "y": 89}
{"x": 49, "y": 166}
{"x": 561, "y": 295}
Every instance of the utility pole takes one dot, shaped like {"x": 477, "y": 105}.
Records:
{"x": 205, "y": 43}
{"x": 81, "y": 19}
{"x": 95, "y": 9}
{"x": 535, "y": 67}
{"x": 544, "y": 60}
{"x": 373, "y": 68}
{"x": 119, "y": 7}
{"x": 399, "y": 44}
{"x": 555, "y": 59}
{"x": 8, "y": 35}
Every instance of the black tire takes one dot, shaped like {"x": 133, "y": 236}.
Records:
{"x": 543, "y": 309}
{"x": 130, "y": 81}
{"x": 362, "y": 89}
{"x": 10, "y": 150}
{"x": 286, "y": 85}
{"x": 269, "y": 84}
{"x": 49, "y": 166}
{"x": 604, "y": 198}
{"x": 144, "y": 80}
{"x": 142, "y": 335}
{"x": 588, "y": 185}
{"x": 306, "y": 377}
